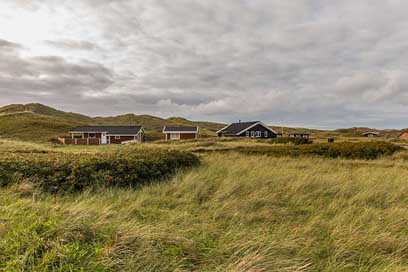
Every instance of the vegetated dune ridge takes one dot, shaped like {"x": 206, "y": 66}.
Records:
{"x": 235, "y": 212}
{"x": 40, "y": 123}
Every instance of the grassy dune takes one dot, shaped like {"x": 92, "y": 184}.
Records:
{"x": 28, "y": 126}
{"x": 39, "y": 123}
{"x": 233, "y": 213}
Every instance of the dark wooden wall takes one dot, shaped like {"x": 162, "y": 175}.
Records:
{"x": 122, "y": 139}
{"x": 183, "y": 136}
{"x": 260, "y": 128}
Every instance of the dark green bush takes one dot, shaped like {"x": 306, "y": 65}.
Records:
{"x": 61, "y": 172}
{"x": 287, "y": 140}
{"x": 347, "y": 150}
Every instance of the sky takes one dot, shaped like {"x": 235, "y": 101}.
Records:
{"x": 309, "y": 63}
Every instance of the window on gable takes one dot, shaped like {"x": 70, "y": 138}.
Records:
{"x": 258, "y": 134}
{"x": 252, "y": 133}
{"x": 247, "y": 134}
{"x": 266, "y": 134}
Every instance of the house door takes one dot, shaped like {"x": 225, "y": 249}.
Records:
{"x": 104, "y": 139}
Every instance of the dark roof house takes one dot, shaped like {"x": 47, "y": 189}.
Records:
{"x": 173, "y": 133}
{"x": 371, "y": 134}
{"x": 96, "y": 135}
{"x": 254, "y": 129}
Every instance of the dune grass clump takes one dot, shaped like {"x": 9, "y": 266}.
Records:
{"x": 232, "y": 213}
{"x": 69, "y": 172}
{"x": 346, "y": 150}
{"x": 288, "y": 140}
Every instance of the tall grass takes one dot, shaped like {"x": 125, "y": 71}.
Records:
{"x": 233, "y": 213}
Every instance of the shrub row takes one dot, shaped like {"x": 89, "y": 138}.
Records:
{"x": 61, "y": 172}
{"x": 347, "y": 150}
{"x": 288, "y": 140}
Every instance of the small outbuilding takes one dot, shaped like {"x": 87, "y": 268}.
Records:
{"x": 304, "y": 135}
{"x": 371, "y": 134}
{"x": 176, "y": 133}
{"x": 254, "y": 129}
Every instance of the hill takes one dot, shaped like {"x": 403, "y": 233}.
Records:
{"x": 44, "y": 110}
{"x": 210, "y": 126}
{"x": 34, "y": 127}
{"x": 37, "y": 122}
{"x": 358, "y": 131}
{"x": 19, "y": 121}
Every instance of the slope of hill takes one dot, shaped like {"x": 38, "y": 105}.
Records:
{"x": 147, "y": 121}
{"x": 44, "y": 110}
{"x": 210, "y": 126}
{"x": 22, "y": 121}
{"x": 18, "y": 121}
{"x": 34, "y": 127}
{"x": 358, "y": 131}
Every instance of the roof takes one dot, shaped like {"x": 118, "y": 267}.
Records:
{"x": 238, "y": 128}
{"x": 371, "y": 132}
{"x": 119, "y": 130}
{"x": 180, "y": 129}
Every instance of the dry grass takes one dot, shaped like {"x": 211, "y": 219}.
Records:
{"x": 233, "y": 213}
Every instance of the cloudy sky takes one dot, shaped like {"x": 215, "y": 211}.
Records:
{"x": 315, "y": 63}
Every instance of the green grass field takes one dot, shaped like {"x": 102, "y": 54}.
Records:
{"x": 235, "y": 212}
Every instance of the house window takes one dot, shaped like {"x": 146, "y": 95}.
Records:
{"x": 258, "y": 134}
{"x": 117, "y": 137}
{"x": 92, "y": 135}
{"x": 266, "y": 134}
{"x": 247, "y": 133}
{"x": 252, "y": 133}
{"x": 175, "y": 136}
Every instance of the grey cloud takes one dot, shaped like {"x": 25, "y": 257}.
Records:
{"x": 50, "y": 78}
{"x": 72, "y": 45}
{"x": 317, "y": 63}
{"x": 7, "y": 45}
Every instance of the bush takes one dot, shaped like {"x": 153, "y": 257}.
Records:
{"x": 347, "y": 150}
{"x": 61, "y": 172}
{"x": 287, "y": 140}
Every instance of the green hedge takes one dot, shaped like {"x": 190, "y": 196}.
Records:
{"x": 61, "y": 172}
{"x": 347, "y": 150}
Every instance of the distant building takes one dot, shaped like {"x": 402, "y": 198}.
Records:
{"x": 304, "y": 135}
{"x": 255, "y": 129}
{"x": 371, "y": 134}
{"x": 177, "y": 133}
{"x": 101, "y": 135}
